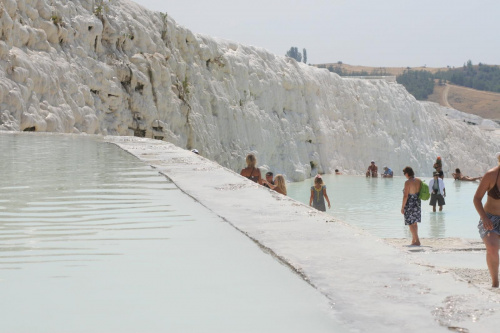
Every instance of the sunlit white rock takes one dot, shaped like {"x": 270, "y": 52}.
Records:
{"x": 122, "y": 69}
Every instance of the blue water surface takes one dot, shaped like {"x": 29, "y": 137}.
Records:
{"x": 374, "y": 204}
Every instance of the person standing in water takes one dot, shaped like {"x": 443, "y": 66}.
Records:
{"x": 318, "y": 195}
{"x": 411, "y": 207}
{"x": 489, "y": 223}
{"x": 436, "y": 185}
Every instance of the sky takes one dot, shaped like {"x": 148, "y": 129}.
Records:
{"x": 385, "y": 33}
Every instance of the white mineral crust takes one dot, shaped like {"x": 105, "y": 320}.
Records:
{"x": 120, "y": 69}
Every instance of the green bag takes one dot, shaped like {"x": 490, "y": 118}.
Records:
{"x": 424, "y": 193}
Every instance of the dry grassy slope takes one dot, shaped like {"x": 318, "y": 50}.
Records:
{"x": 482, "y": 103}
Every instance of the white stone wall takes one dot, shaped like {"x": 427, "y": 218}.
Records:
{"x": 119, "y": 69}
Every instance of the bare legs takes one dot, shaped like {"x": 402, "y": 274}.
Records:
{"x": 434, "y": 208}
{"x": 416, "y": 241}
{"x": 492, "y": 242}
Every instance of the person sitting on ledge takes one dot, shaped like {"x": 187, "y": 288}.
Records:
{"x": 268, "y": 180}
{"x": 279, "y": 184}
{"x": 372, "y": 170}
{"x": 458, "y": 176}
{"x": 387, "y": 173}
{"x": 251, "y": 171}
{"x": 438, "y": 165}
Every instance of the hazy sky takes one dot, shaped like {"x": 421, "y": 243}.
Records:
{"x": 386, "y": 33}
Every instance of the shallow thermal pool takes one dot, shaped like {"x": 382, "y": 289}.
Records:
{"x": 94, "y": 240}
{"x": 374, "y": 204}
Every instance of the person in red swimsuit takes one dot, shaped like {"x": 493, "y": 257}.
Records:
{"x": 489, "y": 224}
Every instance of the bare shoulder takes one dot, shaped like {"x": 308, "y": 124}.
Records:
{"x": 490, "y": 176}
{"x": 492, "y": 171}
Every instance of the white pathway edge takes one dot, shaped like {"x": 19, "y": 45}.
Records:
{"x": 373, "y": 286}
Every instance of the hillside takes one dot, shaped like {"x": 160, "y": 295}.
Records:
{"x": 388, "y": 70}
{"x": 481, "y": 103}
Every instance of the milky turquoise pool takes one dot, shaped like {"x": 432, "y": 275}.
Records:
{"x": 94, "y": 240}
{"x": 374, "y": 204}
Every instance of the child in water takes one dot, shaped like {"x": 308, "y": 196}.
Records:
{"x": 318, "y": 194}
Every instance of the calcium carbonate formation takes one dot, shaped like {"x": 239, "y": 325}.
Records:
{"x": 115, "y": 68}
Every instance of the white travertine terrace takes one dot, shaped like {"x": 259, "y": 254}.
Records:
{"x": 373, "y": 287}
{"x": 120, "y": 69}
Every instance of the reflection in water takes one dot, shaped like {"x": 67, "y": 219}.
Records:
{"x": 374, "y": 204}
{"x": 437, "y": 224}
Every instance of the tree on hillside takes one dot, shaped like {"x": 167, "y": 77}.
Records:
{"x": 418, "y": 83}
{"x": 294, "y": 53}
{"x": 304, "y": 52}
{"x": 481, "y": 77}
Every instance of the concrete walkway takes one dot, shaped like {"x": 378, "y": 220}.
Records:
{"x": 375, "y": 287}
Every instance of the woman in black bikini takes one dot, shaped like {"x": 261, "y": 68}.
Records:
{"x": 251, "y": 172}
{"x": 489, "y": 225}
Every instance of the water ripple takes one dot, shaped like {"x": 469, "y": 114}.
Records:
{"x": 65, "y": 191}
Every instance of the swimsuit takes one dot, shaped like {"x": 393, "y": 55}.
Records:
{"x": 494, "y": 193}
{"x": 496, "y": 225}
{"x": 318, "y": 199}
{"x": 412, "y": 209}
{"x": 253, "y": 178}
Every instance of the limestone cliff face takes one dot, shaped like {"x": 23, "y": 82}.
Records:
{"x": 115, "y": 68}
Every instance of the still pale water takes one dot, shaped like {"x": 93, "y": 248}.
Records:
{"x": 374, "y": 204}
{"x": 93, "y": 240}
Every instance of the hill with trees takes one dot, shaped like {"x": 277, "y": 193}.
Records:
{"x": 480, "y": 77}
{"x": 471, "y": 88}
